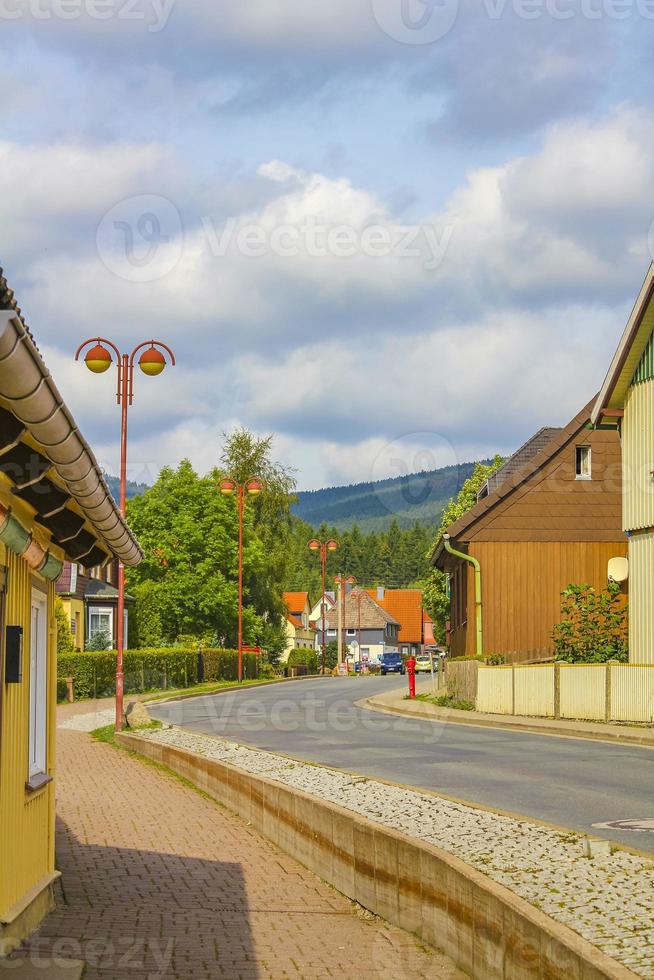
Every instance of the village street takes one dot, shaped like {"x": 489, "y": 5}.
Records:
{"x": 573, "y": 783}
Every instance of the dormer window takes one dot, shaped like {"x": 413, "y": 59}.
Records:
{"x": 583, "y": 463}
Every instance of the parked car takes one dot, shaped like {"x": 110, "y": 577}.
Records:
{"x": 391, "y": 663}
{"x": 423, "y": 663}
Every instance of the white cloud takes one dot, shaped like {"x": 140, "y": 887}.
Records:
{"x": 344, "y": 355}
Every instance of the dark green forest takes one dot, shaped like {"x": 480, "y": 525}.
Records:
{"x": 396, "y": 558}
{"x": 414, "y": 498}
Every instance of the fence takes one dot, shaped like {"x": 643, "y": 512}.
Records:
{"x": 461, "y": 678}
{"x": 592, "y": 692}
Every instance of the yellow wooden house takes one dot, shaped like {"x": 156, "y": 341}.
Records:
{"x": 626, "y": 401}
{"x": 54, "y": 505}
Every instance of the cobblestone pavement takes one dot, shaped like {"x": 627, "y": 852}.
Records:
{"x": 608, "y": 900}
{"x": 161, "y": 882}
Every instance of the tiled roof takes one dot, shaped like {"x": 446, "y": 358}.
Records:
{"x": 405, "y": 606}
{"x": 372, "y": 615}
{"x": 298, "y": 623}
{"x": 463, "y": 525}
{"x": 8, "y": 302}
{"x": 520, "y": 458}
{"x": 296, "y": 602}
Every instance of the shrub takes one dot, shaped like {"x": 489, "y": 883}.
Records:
{"x": 65, "y": 641}
{"x": 222, "y": 665}
{"x": 101, "y": 640}
{"x": 593, "y": 627}
{"x": 304, "y": 658}
{"x": 94, "y": 673}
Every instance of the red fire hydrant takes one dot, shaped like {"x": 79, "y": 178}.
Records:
{"x": 411, "y": 671}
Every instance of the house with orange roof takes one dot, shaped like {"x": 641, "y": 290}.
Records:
{"x": 300, "y": 634}
{"x": 405, "y": 606}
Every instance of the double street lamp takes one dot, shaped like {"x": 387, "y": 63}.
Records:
{"x": 323, "y": 547}
{"x": 151, "y": 362}
{"x": 251, "y": 488}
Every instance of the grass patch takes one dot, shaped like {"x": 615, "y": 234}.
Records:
{"x": 107, "y": 732}
{"x": 209, "y": 687}
{"x": 448, "y": 701}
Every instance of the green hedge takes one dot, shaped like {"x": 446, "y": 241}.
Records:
{"x": 94, "y": 674}
{"x": 222, "y": 665}
{"x": 304, "y": 657}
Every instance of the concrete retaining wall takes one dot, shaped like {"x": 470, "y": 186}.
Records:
{"x": 487, "y": 930}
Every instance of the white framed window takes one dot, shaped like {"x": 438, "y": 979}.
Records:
{"x": 583, "y": 462}
{"x": 351, "y": 632}
{"x": 331, "y": 632}
{"x": 73, "y": 577}
{"x": 38, "y": 713}
{"x": 101, "y": 619}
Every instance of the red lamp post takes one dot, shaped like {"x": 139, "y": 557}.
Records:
{"x": 343, "y": 582}
{"x": 251, "y": 488}
{"x": 323, "y": 548}
{"x": 151, "y": 362}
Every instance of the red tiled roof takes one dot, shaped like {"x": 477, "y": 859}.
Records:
{"x": 296, "y": 602}
{"x": 404, "y": 605}
{"x": 298, "y": 623}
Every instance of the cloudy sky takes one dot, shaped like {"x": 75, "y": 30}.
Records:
{"x": 397, "y": 233}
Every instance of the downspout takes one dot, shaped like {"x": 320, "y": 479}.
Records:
{"x": 477, "y": 567}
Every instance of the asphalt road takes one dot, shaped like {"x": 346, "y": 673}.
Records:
{"x": 571, "y": 782}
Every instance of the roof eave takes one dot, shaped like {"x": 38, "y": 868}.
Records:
{"x": 29, "y": 389}
{"x": 618, "y": 378}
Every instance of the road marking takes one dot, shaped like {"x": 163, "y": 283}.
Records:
{"x": 639, "y": 825}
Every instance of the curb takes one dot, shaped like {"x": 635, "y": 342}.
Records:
{"x": 230, "y": 690}
{"x": 436, "y": 714}
{"x": 490, "y": 932}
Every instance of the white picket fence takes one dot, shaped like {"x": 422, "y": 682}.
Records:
{"x": 593, "y": 692}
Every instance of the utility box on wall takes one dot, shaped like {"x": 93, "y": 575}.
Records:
{"x": 14, "y": 655}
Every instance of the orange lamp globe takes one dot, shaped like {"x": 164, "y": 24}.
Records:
{"x": 332, "y": 546}
{"x": 314, "y": 545}
{"x": 98, "y": 359}
{"x": 152, "y": 362}
{"x": 226, "y": 488}
{"x": 254, "y": 488}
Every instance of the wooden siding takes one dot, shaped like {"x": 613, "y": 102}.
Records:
{"x": 638, "y": 455}
{"x": 554, "y": 506}
{"x": 521, "y": 592}
{"x": 641, "y": 592}
{"x": 26, "y": 820}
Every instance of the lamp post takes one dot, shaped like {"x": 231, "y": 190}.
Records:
{"x": 359, "y": 597}
{"x": 151, "y": 362}
{"x": 251, "y": 488}
{"x": 323, "y": 547}
{"x": 342, "y": 582}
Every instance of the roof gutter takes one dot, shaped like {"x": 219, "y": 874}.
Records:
{"x": 477, "y": 567}
{"x": 27, "y": 385}
{"x": 20, "y": 541}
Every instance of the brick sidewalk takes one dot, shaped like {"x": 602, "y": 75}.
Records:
{"x": 161, "y": 882}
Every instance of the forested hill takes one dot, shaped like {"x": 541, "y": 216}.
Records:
{"x": 418, "y": 497}
{"x": 132, "y": 489}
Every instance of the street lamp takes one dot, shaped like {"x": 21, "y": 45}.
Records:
{"x": 359, "y": 597}
{"x": 342, "y": 582}
{"x": 151, "y": 362}
{"x": 323, "y": 547}
{"x": 251, "y": 488}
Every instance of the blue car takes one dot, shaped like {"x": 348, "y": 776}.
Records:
{"x": 392, "y": 663}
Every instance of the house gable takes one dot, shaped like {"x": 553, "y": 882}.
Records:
{"x": 546, "y": 501}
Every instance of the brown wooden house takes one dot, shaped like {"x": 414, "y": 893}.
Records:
{"x": 550, "y": 517}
